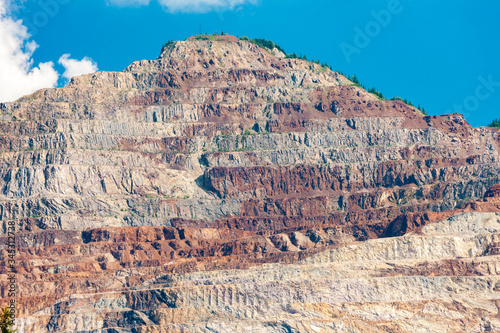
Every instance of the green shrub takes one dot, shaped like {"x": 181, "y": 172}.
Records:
{"x": 167, "y": 44}
{"x": 408, "y": 102}
{"x": 495, "y": 123}
{"x": 270, "y": 45}
{"x": 264, "y": 43}
{"x": 212, "y": 37}
{"x": 355, "y": 80}
{"x": 6, "y": 320}
{"x": 376, "y": 93}
{"x": 292, "y": 56}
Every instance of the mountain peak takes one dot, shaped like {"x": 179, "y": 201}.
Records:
{"x": 208, "y": 52}
{"x": 214, "y": 37}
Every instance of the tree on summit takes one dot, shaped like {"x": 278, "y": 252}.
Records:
{"x": 495, "y": 123}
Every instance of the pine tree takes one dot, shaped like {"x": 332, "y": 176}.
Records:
{"x": 354, "y": 79}
{"x": 495, "y": 123}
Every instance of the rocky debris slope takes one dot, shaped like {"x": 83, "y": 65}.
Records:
{"x": 217, "y": 155}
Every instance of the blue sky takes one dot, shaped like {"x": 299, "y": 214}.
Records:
{"x": 443, "y": 55}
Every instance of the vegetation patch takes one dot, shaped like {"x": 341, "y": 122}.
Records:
{"x": 264, "y": 43}
{"x": 495, "y": 123}
{"x": 408, "y": 102}
{"x": 212, "y": 37}
{"x": 381, "y": 96}
{"x": 270, "y": 45}
{"x": 166, "y": 45}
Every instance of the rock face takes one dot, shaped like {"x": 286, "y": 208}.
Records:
{"x": 224, "y": 188}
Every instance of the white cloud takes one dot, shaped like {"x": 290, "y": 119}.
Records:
{"x": 18, "y": 74}
{"x": 73, "y": 67}
{"x": 200, "y": 6}
{"x": 127, "y": 3}
{"x": 193, "y": 6}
